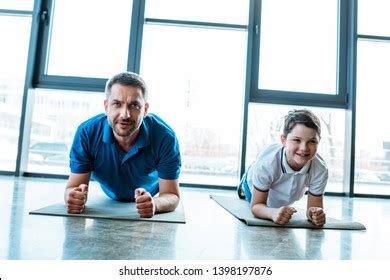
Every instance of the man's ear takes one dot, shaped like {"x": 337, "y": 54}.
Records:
{"x": 105, "y": 105}
{"x": 283, "y": 139}
{"x": 146, "y": 109}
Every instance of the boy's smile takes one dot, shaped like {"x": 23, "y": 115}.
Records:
{"x": 300, "y": 146}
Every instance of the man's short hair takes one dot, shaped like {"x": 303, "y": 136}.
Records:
{"x": 127, "y": 79}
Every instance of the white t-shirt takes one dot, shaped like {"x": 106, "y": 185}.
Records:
{"x": 271, "y": 172}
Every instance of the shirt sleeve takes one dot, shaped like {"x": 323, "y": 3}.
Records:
{"x": 169, "y": 160}
{"x": 318, "y": 178}
{"x": 80, "y": 157}
{"x": 261, "y": 176}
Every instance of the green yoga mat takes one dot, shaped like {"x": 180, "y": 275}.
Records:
{"x": 239, "y": 208}
{"x": 106, "y": 208}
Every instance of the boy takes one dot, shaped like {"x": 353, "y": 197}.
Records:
{"x": 283, "y": 172}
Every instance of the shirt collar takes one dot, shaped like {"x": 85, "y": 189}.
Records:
{"x": 143, "y": 137}
{"x": 108, "y": 136}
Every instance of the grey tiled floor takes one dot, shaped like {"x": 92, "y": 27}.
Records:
{"x": 209, "y": 233}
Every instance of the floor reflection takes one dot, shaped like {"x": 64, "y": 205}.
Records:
{"x": 16, "y": 218}
{"x": 113, "y": 239}
{"x": 209, "y": 233}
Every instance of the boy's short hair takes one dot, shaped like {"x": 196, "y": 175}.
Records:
{"x": 301, "y": 116}
{"x": 127, "y": 79}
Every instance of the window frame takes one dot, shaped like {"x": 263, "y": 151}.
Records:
{"x": 358, "y": 38}
{"x": 224, "y": 26}
{"x": 23, "y": 112}
{"x": 42, "y": 80}
{"x": 346, "y": 77}
{"x": 340, "y": 99}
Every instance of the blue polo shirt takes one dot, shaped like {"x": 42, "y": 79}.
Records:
{"x": 154, "y": 155}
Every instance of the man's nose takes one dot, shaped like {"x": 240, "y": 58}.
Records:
{"x": 125, "y": 113}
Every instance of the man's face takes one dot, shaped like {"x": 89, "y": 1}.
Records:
{"x": 125, "y": 108}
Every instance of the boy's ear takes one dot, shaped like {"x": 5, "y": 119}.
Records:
{"x": 283, "y": 139}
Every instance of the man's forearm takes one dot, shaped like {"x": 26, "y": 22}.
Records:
{"x": 166, "y": 202}
{"x": 68, "y": 189}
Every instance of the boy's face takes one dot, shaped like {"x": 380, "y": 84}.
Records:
{"x": 300, "y": 145}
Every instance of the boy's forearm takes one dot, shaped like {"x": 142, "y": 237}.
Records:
{"x": 262, "y": 211}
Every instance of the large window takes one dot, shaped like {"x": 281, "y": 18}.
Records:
{"x": 298, "y": 46}
{"x": 373, "y": 17}
{"x": 196, "y": 75}
{"x": 13, "y": 61}
{"x": 372, "y": 156}
{"x": 56, "y": 117}
{"x": 297, "y": 56}
{"x": 222, "y": 73}
{"x": 25, "y": 5}
{"x": 85, "y": 42}
{"x": 216, "y": 11}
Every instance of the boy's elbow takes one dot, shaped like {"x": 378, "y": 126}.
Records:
{"x": 257, "y": 209}
{"x": 253, "y": 210}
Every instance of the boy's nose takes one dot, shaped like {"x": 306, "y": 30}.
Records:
{"x": 303, "y": 147}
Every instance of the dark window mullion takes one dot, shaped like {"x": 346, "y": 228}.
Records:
{"x": 373, "y": 37}
{"x": 43, "y": 42}
{"x": 342, "y": 54}
{"x": 256, "y": 31}
{"x": 15, "y": 12}
{"x": 298, "y": 98}
{"x": 195, "y": 23}
{"x": 136, "y": 31}
{"x": 72, "y": 83}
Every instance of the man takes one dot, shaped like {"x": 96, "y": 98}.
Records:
{"x": 132, "y": 154}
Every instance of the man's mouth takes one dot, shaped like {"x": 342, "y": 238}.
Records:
{"x": 124, "y": 124}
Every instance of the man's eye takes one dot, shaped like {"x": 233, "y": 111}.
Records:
{"x": 135, "y": 107}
